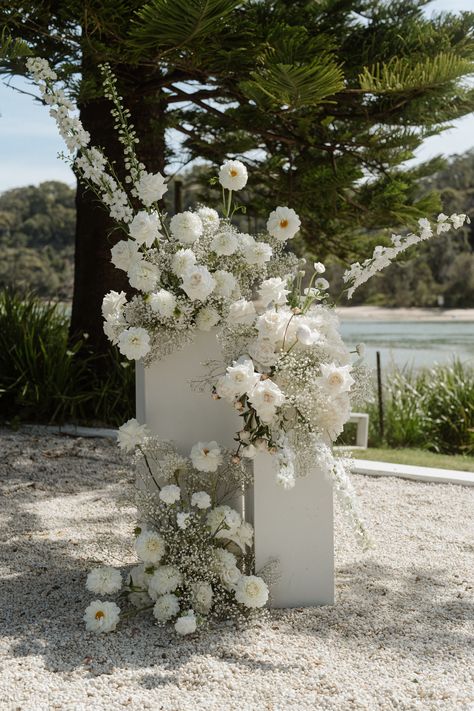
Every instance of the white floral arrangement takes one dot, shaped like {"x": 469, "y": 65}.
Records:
{"x": 286, "y": 369}
{"x": 194, "y": 550}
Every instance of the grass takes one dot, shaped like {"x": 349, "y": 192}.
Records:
{"x": 417, "y": 458}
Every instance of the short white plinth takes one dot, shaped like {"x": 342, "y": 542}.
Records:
{"x": 295, "y": 528}
{"x": 171, "y": 406}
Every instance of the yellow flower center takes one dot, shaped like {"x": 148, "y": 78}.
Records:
{"x": 206, "y": 451}
{"x": 99, "y": 615}
{"x": 233, "y": 172}
{"x": 283, "y": 223}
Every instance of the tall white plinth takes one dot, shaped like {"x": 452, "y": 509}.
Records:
{"x": 295, "y": 528}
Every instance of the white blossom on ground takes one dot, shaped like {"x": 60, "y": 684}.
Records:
{"x": 131, "y": 434}
{"x": 101, "y": 616}
{"x": 104, "y": 581}
{"x": 206, "y": 456}
{"x": 186, "y": 624}
{"x": 164, "y": 580}
{"x": 166, "y": 607}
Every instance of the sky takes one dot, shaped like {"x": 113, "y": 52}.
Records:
{"x": 29, "y": 142}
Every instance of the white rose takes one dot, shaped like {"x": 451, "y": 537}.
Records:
{"x": 266, "y": 397}
{"x": 183, "y": 261}
{"x": 224, "y": 243}
{"x": 113, "y": 303}
{"x": 243, "y": 312}
{"x": 151, "y": 187}
{"x": 241, "y": 376}
{"x": 283, "y": 223}
{"x": 273, "y": 290}
{"x": 131, "y": 434}
{"x": 272, "y": 324}
{"x": 198, "y": 283}
{"x": 336, "y": 379}
{"x": 186, "y": 227}
{"x": 186, "y": 624}
{"x": 145, "y": 227}
{"x": 207, "y": 318}
{"x": 101, "y": 616}
{"x": 124, "y": 254}
{"x": 209, "y": 218}
{"x": 233, "y": 175}
{"x": 143, "y": 276}
{"x": 206, "y": 456}
{"x": 226, "y": 283}
{"x": 170, "y": 494}
{"x": 134, "y": 343}
{"x": 251, "y": 591}
{"x": 306, "y": 336}
{"x": 163, "y": 302}
{"x": 262, "y": 351}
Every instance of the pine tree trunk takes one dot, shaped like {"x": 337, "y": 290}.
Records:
{"x": 96, "y": 233}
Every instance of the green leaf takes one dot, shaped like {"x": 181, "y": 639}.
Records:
{"x": 11, "y": 48}
{"x": 401, "y": 74}
{"x": 172, "y": 24}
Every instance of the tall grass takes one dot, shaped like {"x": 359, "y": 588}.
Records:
{"x": 44, "y": 379}
{"x": 429, "y": 409}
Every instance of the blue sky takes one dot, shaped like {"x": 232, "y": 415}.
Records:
{"x": 29, "y": 142}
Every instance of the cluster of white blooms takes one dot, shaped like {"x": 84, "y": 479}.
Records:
{"x": 193, "y": 549}
{"x": 358, "y": 273}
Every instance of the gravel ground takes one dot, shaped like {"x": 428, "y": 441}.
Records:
{"x": 399, "y": 637}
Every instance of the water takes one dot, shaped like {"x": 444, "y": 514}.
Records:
{"x": 412, "y": 343}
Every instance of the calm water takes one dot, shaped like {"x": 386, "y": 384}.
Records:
{"x": 412, "y": 343}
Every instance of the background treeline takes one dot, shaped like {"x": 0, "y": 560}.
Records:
{"x": 37, "y": 242}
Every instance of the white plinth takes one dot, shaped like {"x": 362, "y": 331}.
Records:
{"x": 296, "y": 528}
{"x": 173, "y": 410}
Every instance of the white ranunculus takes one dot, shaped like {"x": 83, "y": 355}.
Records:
{"x": 224, "y": 243}
{"x": 183, "y": 261}
{"x": 134, "y": 343}
{"x": 113, "y": 303}
{"x": 206, "y": 456}
{"x": 226, "y": 283}
{"x": 145, "y": 227}
{"x": 202, "y": 597}
{"x": 124, "y": 254}
{"x": 224, "y": 388}
{"x": 336, "y": 379}
{"x": 186, "y": 624}
{"x": 241, "y": 376}
{"x": 251, "y": 591}
{"x": 283, "y": 223}
{"x": 321, "y": 284}
{"x": 198, "y": 283}
{"x": 151, "y": 187}
{"x": 150, "y": 547}
{"x": 262, "y": 351}
{"x": 273, "y": 291}
{"x": 233, "y": 175}
{"x": 143, "y": 276}
{"x": 104, "y": 581}
{"x": 170, "y": 494}
{"x": 201, "y": 500}
{"x": 319, "y": 268}
{"x": 101, "y": 616}
{"x": 166, "y": 607}
{"x": 266, "y": 397}
{"x": 207, "y": 318}
{"x": 131, "y": 434}
{"x": 257, "y": 253}
{"x": 242, "y": 311}
{"x": 164, "y": 580}
{"x": 186, "y": 227}
{"x": 209, "y": 218}
{"x": 163, "y": 302}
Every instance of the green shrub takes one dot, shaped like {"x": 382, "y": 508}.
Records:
{"x": 44, "y": 379}
{"x": 429, "y": 409}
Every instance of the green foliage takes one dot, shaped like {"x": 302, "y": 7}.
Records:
{"x": 12, "y": 48}
{"x": 44, "y": 379}
{"x": 37, "y": 238}
{"x": 430, "y": 409}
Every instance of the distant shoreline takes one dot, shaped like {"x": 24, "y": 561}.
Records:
{"x": 379, "y": 313}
